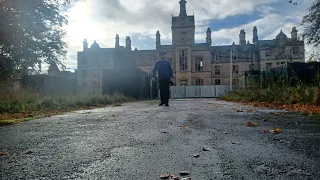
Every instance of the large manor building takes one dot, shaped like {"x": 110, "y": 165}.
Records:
{"x": 193, "y": 63}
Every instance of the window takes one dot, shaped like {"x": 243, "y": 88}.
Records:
{"x": 217, "y": 82}
{"x": 268, "y": 52}
{"x": 281, "y": 50}
{"x": 217, "y": 57}
{"x": 283, "y": 62}
{"x": 251, "y": 66}
{"x": 235, "y": 69}
{"x": 199, "y": 64}
{"x": 217, "y": 70}
{"x": 183, "y": 60}
{"x": 268, "y": 65}
{"x": 295, "y": 50}
{"x": 199, "y": 82}
{"x": 278, "y": 63}
{"x": 95, "y": 84}
{"x": 234, "y": 55}
{"x": 183, "y": 83}
{"x": 84, "y": 73}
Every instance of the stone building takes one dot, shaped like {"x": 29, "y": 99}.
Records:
{"x": 55, "y": 71}
{"x": 193, "y": 63}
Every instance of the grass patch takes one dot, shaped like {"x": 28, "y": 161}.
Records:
{"x": 19, "y": 107}
{"x": 299, "y": 99}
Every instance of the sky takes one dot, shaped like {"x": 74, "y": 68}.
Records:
{"x": 101, "y": 20}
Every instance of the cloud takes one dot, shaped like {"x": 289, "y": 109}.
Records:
{"x": 101, "y": 20}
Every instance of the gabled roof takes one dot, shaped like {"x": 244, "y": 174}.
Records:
{"x": 53, "y": 67}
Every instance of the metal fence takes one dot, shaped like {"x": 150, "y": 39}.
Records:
{"x": 208, "y": 91}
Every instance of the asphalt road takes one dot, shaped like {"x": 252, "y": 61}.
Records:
{"x": 141, "y": 140}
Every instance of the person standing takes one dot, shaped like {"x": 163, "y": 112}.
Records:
{"x": 165, "y": 76}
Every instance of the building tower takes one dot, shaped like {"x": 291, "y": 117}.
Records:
{"x": 183, "y": 27}
{"x": 128, "y": 43}
{"x": 255, "y": 35}
{"x": 117, "y": 45}
{"x": 208, "y": 39}
{"x": 85, "y": 44}
{"x": 158, "y": 42}
{"x": 294, "y": 34}
{"x": 242, "y": 37}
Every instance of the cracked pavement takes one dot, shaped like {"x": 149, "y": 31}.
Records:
{"x": 140, "y": 140}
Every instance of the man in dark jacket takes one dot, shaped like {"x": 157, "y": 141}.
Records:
{"x": 165, "y": 76}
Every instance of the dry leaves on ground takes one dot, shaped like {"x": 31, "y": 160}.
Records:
{"x": 164, "y": 176}
{"x": 252, "y": 124}
{"x": 205, "y": 149}
{"x": 173, "y": 177}
{"x": 3, "y": 153}
{"x": 304, "y": 108}
{"x": 275, "y": 131}
{"x": 196, "y": 155}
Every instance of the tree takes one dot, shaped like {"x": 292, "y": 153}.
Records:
{"x": 31, "y": 33}
{"x": 311, "y": 24}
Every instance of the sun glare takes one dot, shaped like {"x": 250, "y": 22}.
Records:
{"x": 82, "y": 25}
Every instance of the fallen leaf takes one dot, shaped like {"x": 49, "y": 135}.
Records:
{"x": 173, "y": 177}
{"x": 196, "y": 155}
{"x": 276, "y": 114}
{"x": 164, "y": 176}
{"x": 190, "y": 119}
{"x": 252, "y": 124}
{"x": 3, "y": 153}
{"x": 265, "y": 131}
{"x": 239, "y": 110}
{"x": 184, "y": 173}
{"x": 226, "y": 132}
{"x": 188, "y": 178}
{"x": 276, "y": 131}
{"x": 205, "y": 149}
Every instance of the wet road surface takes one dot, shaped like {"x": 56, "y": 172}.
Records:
{"x": 141, "y": 140}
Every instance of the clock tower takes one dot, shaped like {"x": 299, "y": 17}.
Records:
{"x": 183, "y": 27}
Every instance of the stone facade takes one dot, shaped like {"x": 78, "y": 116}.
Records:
{"x": 193, "y": 63}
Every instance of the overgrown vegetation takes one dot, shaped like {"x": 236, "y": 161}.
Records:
{"x": 281, "y": 95}
{"x": 20, "y": 103}
{"x": 293, "y": 87}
